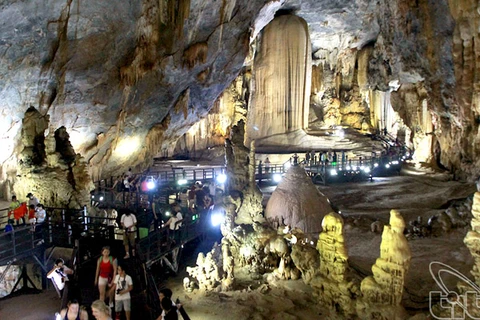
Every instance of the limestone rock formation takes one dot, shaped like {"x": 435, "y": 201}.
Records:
{"x": 297, "y": 203}
{"x": 472, "y": 239}
{"x": 49, "y": 166}
{"x": 282, "y": 79}
{"x": 208, "y": 271}
{"x": 335, "y": 290}
{"x": 383, "y": 291}
{"x": 241, "y": 186}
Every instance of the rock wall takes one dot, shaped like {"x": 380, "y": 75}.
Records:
{"x": 112, "y": 73}
{"x": 214, "y": 128}
{"x": 281, "y": 79}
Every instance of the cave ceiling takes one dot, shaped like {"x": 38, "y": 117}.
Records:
{"x": 137, "y": 75}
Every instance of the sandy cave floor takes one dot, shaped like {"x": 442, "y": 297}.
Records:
{"x": 418, "y": 193}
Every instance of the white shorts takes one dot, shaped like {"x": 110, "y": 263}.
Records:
{"x": 102, "y": 281}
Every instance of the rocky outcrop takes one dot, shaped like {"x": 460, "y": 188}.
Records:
{"x": 382, "y": 292}
{"x": 334, "y": 288}
{"x": 297, "y": 203}
{"x": 112, "y": 74}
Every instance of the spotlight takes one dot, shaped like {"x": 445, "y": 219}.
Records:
{"x": 277, "y": 177}
{"x": 150, "y": 185}
{"x": 101, "y": 198}
{"x": 366, "y": 170}
{"x": 395, "y": 162}
{"x": 93, "y": 197}
{"x": 375, "y": 165}
{"x": 387, "y": 166}
{"x": 168, "y": 214}
{"x": 221, "y": 178}
{"x": 217, "y": 218}
{"x": 333, "y": 172}
{"x": 349, "y": 168}
{"x": 182, "y": 182}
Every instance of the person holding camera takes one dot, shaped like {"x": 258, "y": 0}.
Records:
{"x": 122, "y": 285}
{"x": 59, "y": 276}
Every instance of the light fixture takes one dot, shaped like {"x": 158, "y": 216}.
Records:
{"x": 217, "y": 218}
{"x": 387, "y": 166}
{"x": 277, "y": 177}
{"x": 101, "y": 198}
{"x": 150, "y": 185}
{"x": 221, "y": 178}
{"x": 366, "y": 170}
{"x": 375, "y": 165}
{"x": 168, "y": 214}
{"x": 182, "y": 182}
{"x": 333, "y": 172}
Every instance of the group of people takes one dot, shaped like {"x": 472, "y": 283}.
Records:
{"x": 114, "y": 286}
{"x": 31, "y": 211}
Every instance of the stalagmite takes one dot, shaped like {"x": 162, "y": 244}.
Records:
{"x": 297, "y": 203}
{"x": 383, "y": 291}
{"x": 335, "y": 290}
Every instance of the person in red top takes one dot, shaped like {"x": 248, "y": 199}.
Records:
{"x": 31, "y": 216}
{"x": 106, "y": 272}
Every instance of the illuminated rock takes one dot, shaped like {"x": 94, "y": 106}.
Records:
{"x": 297, "y": 203}
{"x": 382, "y": 292}
{"x": 334, "y": 288}
{"x": 244, "y": 192}
{"x": 282, "y": 79}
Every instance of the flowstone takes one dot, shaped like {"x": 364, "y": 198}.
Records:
{"x": 382, "y": 292}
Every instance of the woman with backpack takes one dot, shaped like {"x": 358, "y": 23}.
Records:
{"x": 106, "y": 272}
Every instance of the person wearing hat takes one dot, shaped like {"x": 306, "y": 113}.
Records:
{"x": 32, "y": 199}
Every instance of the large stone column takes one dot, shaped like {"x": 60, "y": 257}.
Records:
{"x": 281, "y": 79}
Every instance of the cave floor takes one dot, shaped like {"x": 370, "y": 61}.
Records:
{"x": 414, "y": 193}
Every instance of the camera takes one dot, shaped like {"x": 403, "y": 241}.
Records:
{"x": 118, "y": 291}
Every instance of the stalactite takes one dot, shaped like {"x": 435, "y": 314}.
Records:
{"x": 195, "y": 54}
{"x": 282, "y": 72}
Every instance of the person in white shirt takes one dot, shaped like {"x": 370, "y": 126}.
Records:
{"x": 122, "y": 285}
{"x": 129, "y": 221}
{"x": 32, "y": 199}
{"x": 40, "y": 213}
{"x": 59, "y": 275}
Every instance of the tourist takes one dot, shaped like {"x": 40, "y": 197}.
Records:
{"x": 167, "y": 293}
{"x": 129, "y": 222}
{"x": 169, "y": 309}
{"x": 183, "y": 198}
{"x": 31, "y": 217}
{"x": 100, "y": 310}
{"x": 175, "y": 222}
{"x": 40, "y": 216}
{"x": 32, "y": 199}
{"x": 73, "y": 311}
{"x": 106, "y": 272}
{"x": 59, "y": 276}
{"x": 267, "y": 165}
{"x": 122, "y": 285}
{"x": 16, "y": 211}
